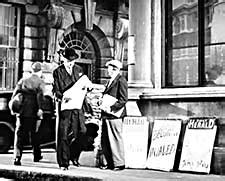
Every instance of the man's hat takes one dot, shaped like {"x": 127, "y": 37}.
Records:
{"x": 36, "y": 66}
{"x": 114, "y": 63}
{"x": 70, "y": 54}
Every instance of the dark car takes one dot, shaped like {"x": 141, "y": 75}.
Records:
{"x": 7, "y": 126}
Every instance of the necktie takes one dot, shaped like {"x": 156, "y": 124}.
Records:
{"x": 70, "y": 69}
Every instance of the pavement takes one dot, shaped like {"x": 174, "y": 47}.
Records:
{"x": 47, "y": 169}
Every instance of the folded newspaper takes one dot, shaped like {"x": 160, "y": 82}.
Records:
{"x": 73, "y": 98}
{"x": 107, "y": 101}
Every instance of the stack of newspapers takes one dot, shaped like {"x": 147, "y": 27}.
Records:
{"x": 107, "y": 101}
{"x": 73, "y": 98}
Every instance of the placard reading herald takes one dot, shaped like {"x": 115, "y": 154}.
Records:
{"x": 198, "y": 145}
{"x": 135, "y": 134}
{"x": 164, "y": 142}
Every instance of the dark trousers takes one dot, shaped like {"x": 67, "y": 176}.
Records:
{"x": 84, "y": 141}
{"x": 26, "y": 126}
{"x": 68, "y": 120}
{"x": 76, "y": 147}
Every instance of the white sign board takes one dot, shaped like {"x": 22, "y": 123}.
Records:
{"x": 135, "y": 134}
{"x": 198, "y": 145}
{"x": 164, "y": 142}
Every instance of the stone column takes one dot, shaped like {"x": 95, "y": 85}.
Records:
{"x": 139, "y": 47}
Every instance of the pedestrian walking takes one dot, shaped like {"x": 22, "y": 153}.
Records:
{"x": 111, "y": 138}
{"x": 30, "y": 112}
{"x": 65, "y": 76}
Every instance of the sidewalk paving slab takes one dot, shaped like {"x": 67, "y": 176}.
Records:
{"x": 47, "y": 169}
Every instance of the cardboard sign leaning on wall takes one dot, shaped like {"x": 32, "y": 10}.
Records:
{"x": 198, "y": 145}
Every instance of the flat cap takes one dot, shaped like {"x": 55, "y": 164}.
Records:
{"x": 114, "y": 63}
{"x": 36, "y": 66}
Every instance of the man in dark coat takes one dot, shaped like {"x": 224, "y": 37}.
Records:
{"x": 32, "y": 89}
{"x": 111, "y": 140}
{"x": 65, "y": 76}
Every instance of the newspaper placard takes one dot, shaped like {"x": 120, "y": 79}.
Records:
{"x": 75, "y": 94}
{"x": 164, "y": 142}
{"x": 198, "y": 145}
{"x": 135, "y": 134}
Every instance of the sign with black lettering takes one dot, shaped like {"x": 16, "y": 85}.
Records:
{"x": 135, "y": 135}
{"x": 198, "y": 145}
{"x": 164, "y": 142}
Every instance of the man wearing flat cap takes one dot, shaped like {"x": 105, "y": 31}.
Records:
{"x": 65, "y": 76}
{"x": 111, "y": 140}
{"x": 32, "y": 89}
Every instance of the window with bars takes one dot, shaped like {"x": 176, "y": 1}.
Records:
{"x": 9, "y": 45}
{"x": 195, "y": 43}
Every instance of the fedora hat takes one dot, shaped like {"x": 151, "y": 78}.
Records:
{"x": 114, "y": 63}
{"x": 70, "y": 54}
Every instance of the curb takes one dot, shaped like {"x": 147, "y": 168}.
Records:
{"x": 49, "y": 174}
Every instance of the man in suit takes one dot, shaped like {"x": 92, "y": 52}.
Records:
{"x": 32, "y": 89}
{"x": 65, "y": 76}
{"x": 111, "y": 140}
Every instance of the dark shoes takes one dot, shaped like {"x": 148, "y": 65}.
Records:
{"x": 64, "y": 168}
{"x": 17, "y": 161}
{"x": 75, "y": 163}
{"x": 37, "y": 158}
{"x": 119, "y": 168}
{"x": 106, "y": 167}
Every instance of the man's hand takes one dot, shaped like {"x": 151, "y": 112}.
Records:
{"x": 40, "y": 113}
{"x": 66, "y": 99}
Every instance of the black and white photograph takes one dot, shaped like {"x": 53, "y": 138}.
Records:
{"x": 112, "y": 90}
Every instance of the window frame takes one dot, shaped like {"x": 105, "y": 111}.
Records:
{"x": 160, "y": 91}
{"x": 8, "y": 85}
{"x": 168, "y": 35}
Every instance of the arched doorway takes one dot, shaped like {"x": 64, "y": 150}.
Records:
{"x": 91, "y": 46}
{"x": 79, "y": 40}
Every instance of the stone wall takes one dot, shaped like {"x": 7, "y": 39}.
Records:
{"x": 39, "y": 41}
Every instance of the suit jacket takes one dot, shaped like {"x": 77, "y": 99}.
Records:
{"x": 62, "y": 82}
{"x": 32, "y": 89}
{"x": 118, "y": 89}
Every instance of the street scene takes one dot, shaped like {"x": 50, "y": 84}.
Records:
{"x": 112, "y": 90}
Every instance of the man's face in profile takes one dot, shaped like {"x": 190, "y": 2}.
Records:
{"x": 112, "y": 70}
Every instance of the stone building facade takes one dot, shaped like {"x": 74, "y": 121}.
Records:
{"x": 176, "y": 47}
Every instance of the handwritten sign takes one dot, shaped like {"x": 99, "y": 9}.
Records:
{"x": 198, "y": 145}
{"x": 163, "y": 146}
{"x": 135, "y": 134}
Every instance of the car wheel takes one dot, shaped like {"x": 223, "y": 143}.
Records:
{"x": 5, "y": 139}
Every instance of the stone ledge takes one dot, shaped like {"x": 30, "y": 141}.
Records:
{"x": 179, "y": 93}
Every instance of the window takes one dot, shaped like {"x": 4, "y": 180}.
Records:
{"x": 195, "y": 56}
{"x": 9, "y": 45}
